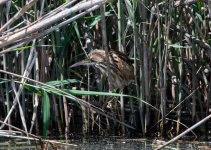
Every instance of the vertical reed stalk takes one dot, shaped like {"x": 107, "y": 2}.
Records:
{"x": 35, "y": 97}
{"x": 160, "y": 78}
{"x": 142, "y": 78}
{"x": 23, "y": 92}
{"x": 7, "y": 90}
{"x": 121, "y": 49}
{"x": 104, "y": 43}
{"x": 181, "y": 83}
{"x": 146, "y": 65}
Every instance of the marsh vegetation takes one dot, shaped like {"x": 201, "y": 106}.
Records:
{"x": 168, "y": 43}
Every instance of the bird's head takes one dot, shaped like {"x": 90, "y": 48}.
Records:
{"x": 94, "y": 57}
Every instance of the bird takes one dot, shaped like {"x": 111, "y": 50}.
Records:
{"x": 121, "y": 67}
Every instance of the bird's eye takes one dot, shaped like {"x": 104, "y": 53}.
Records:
{"x": 115, "y": 57}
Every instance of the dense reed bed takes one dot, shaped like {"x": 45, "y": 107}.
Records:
{"x": 167, "y": 41}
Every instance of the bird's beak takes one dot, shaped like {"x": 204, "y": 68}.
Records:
{"x": 82, "y": 63}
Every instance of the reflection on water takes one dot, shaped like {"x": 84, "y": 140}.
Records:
{"x": 114, "y": 143}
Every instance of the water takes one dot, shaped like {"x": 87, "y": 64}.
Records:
{"x": 113, "y": 143}
{"x": 138, "y": 144}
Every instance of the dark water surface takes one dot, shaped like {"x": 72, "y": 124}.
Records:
{"x": 114, "y": 143}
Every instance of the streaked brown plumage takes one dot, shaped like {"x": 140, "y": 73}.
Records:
{"x": 122, "y": 71}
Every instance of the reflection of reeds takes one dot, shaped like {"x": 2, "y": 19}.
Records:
{"x": 168, "y": 42}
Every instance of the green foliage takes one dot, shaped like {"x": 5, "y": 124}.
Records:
{"x": 94, "y": 20}
{"x": 2, "y": 81}
{"x": 49, "y": 88}
{"x": 22, "y": 48}
{"x": 151, "y": 33}
{"x": 175, "y": 46}
{"x": 46, "y": 114}
{"x": 32, "y": 89}
{"x": 62, "y": 82}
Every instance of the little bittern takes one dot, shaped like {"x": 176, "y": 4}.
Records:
{"x": 121, "y": 68}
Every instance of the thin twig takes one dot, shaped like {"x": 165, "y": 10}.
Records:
{"x": 18, "y": 15}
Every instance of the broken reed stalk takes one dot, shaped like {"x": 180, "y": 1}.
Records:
{"x": 185, "y": 132}
{"x": 47, "y": 22}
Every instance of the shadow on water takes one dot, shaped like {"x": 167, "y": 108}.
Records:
{"x": 100, "y": 143}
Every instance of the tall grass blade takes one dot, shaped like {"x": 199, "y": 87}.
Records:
{"x": 46, "y": 114}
